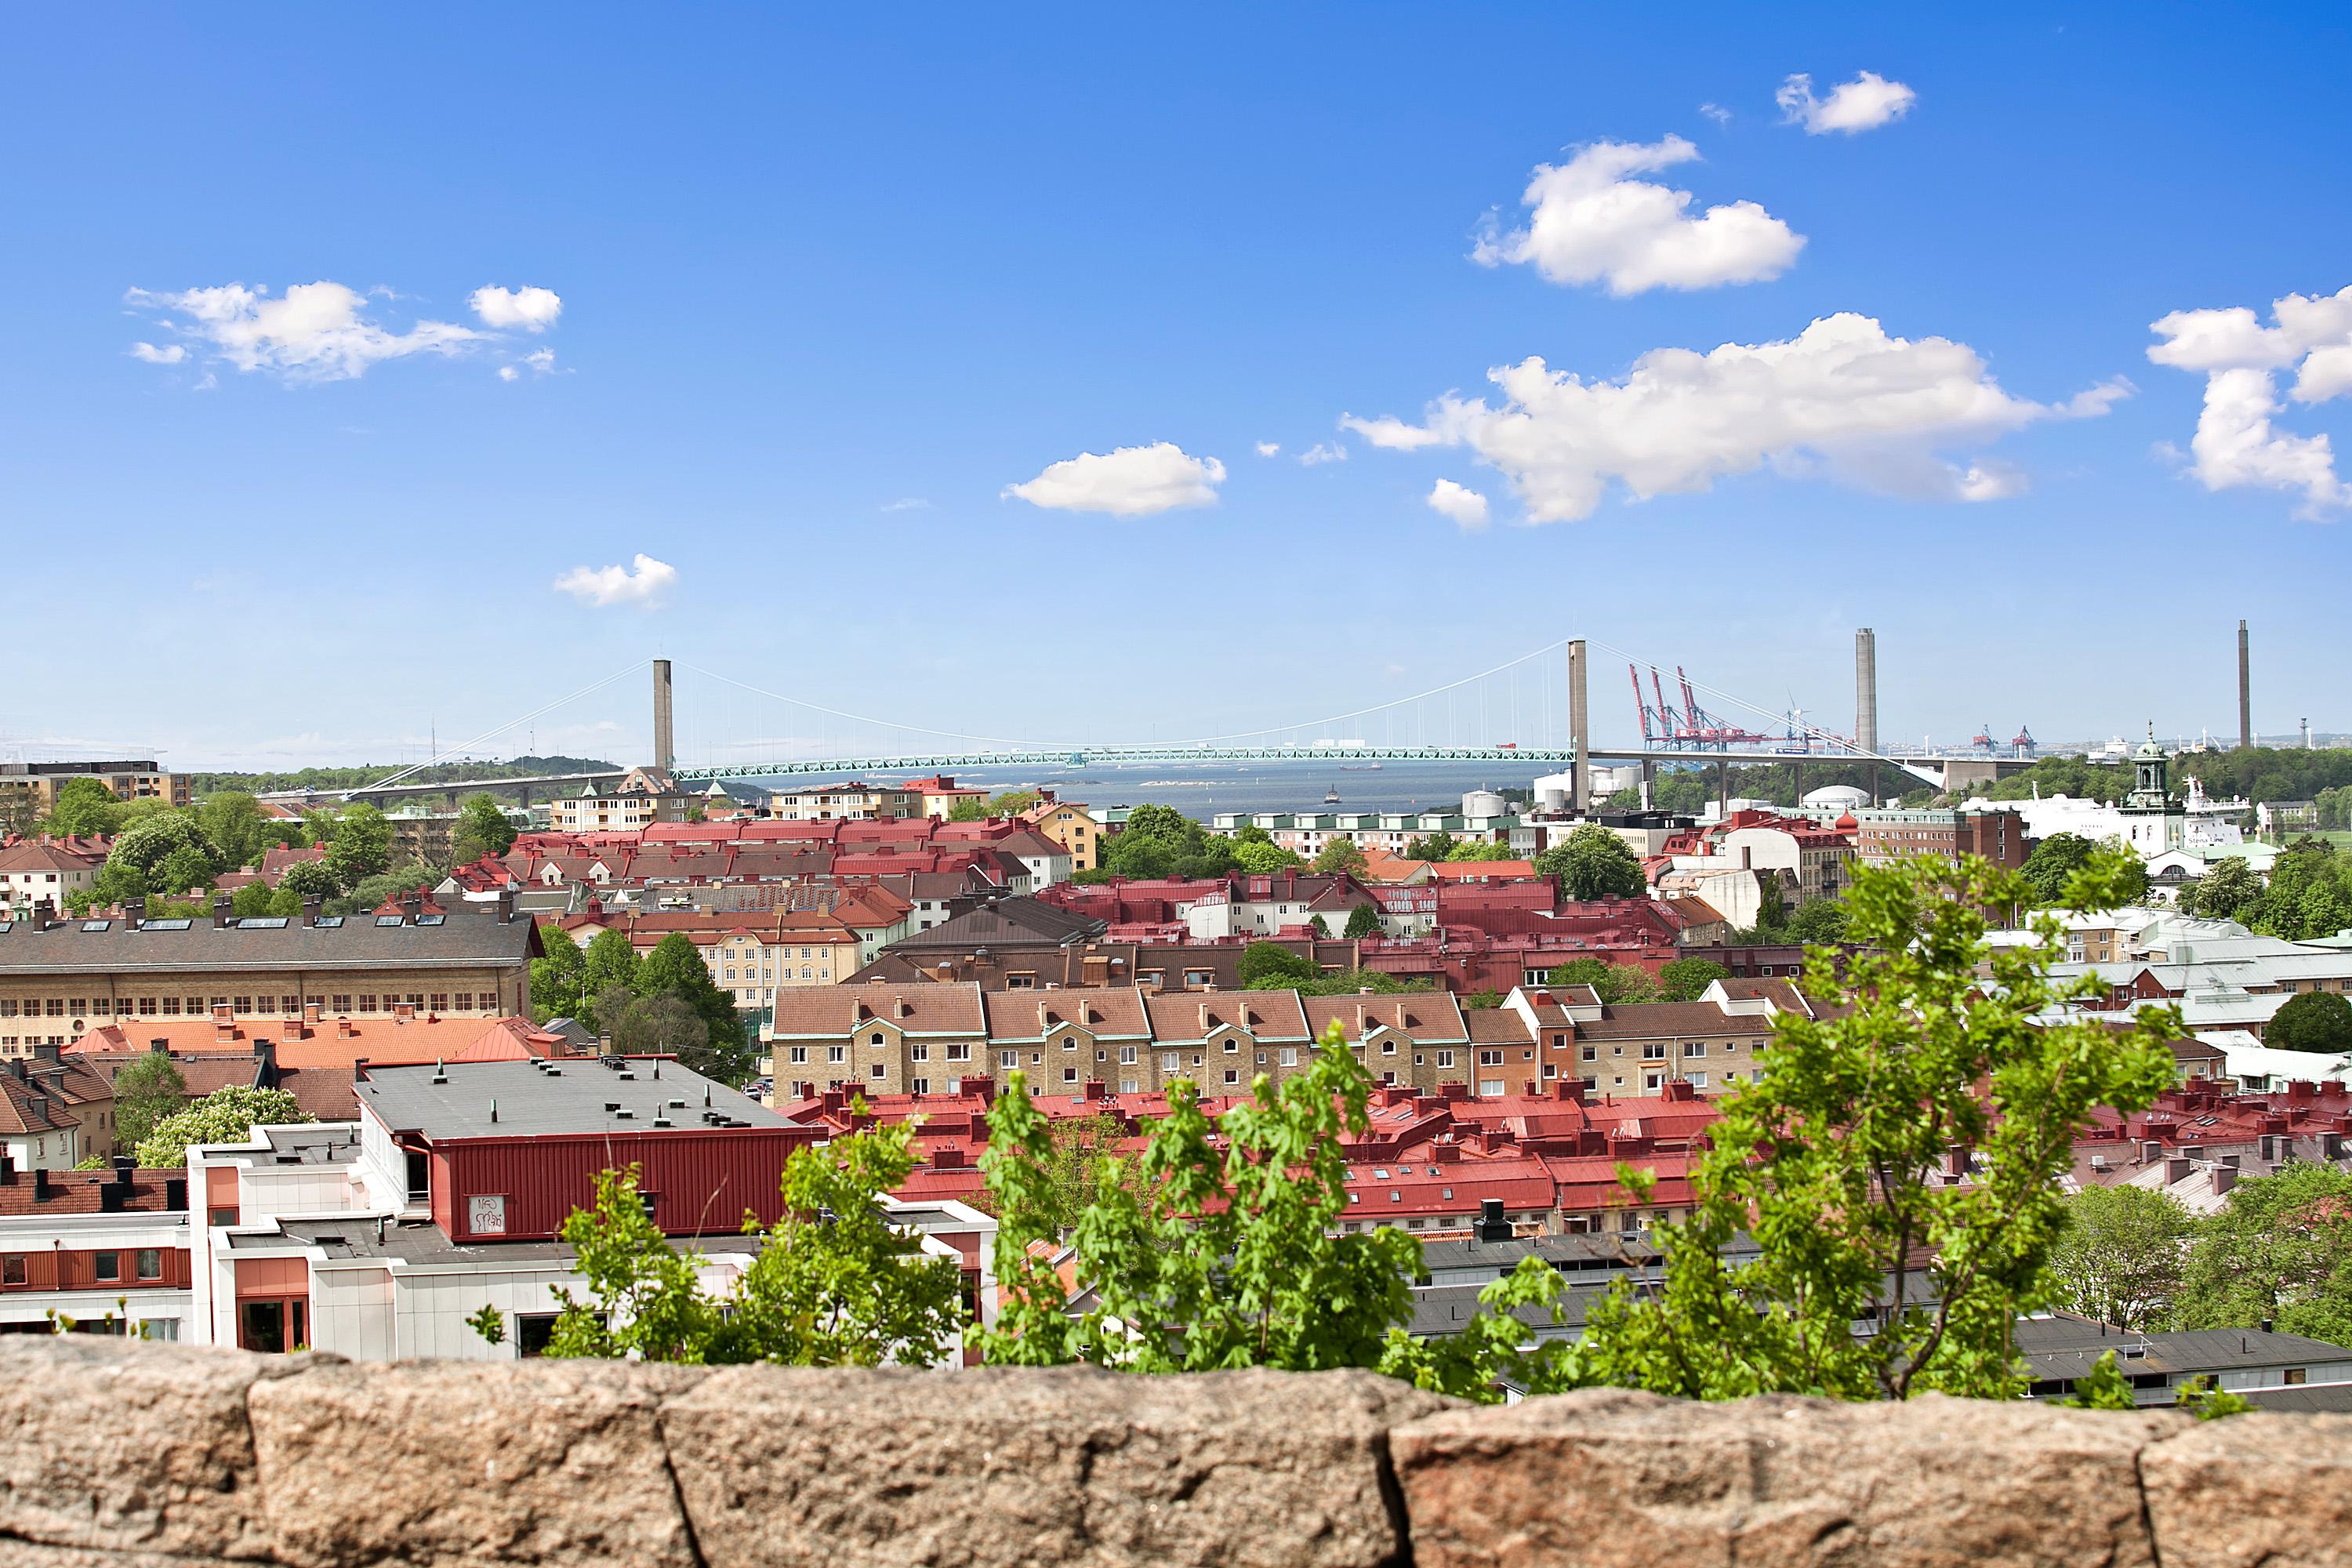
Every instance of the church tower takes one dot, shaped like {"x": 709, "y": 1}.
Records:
{"x": 2152, "y": 822}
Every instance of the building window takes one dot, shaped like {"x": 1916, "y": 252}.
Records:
{"x": 881, "y": 1070}
{"x": 1289, "y": 1056}
{"x": 1490, "y": 1059}
{"x": 107, "y": 1265}
{"x": 1694, "y": 1047}
{"x": 12, "y": 1270}
{"x": 836, "y": 1054}
{"x": 919, "y": 1052}
{"x": 800, "y": 1056}
{"x": 149, "y": 1263}
{"x": 1654, "y": 1053}
{"x": 440, "y": 1001}
{"x": 1233, "y": 1075}
{"x": 1127, "y": 1056}
{"x": 1445, "y": 1059}
{"x": 1008, "y": 1058}
{"x": 921, "y": 1086}
{"x": 367, "y": 1002}
{"x": 876, "y": 1038}
{"x": 960, "y": 1052}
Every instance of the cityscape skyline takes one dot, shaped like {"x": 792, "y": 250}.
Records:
{"x": 1485, "y": 329}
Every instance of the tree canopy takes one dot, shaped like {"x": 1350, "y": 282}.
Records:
{"x": 2119, "y": 1256}
{"x": 2279, "y": 1252}
{"x": 1833, "y": 1160}
{"x": 224, "y": 1116}
{"x": 1614, "y": 983}
{"x": 1265, "y": 858}
{"x": 362, "y": 846}
{"x": 1270, "y": 966}
{"x": 1593, "y": 863}
{"x": 1161, "y": 841}
{"x": 1339, "y": 855}
{"x": 1363, "y": 920}
{"x": 1685, "y": 979}
{"x": 2313, "y": 1021}
{"x": 83, "y": 805}
{"x": 146, "y": 1091}
{"x": 482, "y": 829}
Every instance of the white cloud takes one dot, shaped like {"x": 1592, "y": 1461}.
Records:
{"x": 532, "y": 309}
{"x": 647, "y": 584}
{"x": 1715, "y": 113}
{"x": 1268, "y": 448}
{"x": 170, "y": 353}
{"x": 1592, "y": 222}
{"x": 1841, "y": 399}
{"x": 1132, "y": 481}
{"x": 1866, "y": 103}
{"x": 509, "y": 373}
{"x": 2237, "y": 443}
{"x": 1323, "y": 452}
{"x": 314, "y": 331}
{"x": 907, "y": 503}
{"x": 1463, "y": 504}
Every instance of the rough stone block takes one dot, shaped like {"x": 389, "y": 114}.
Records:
{"x": 119, "y": 1446}
{"x": 543, "y": 1461}
{"x": 2273, "y": 1490}
{"x": 1610, "y": 1478}
{"x": 999, "y": 1466}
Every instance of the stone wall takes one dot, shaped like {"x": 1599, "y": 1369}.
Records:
{"x": 130, "y": 1456}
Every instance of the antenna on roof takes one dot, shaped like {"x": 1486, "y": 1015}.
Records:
{"x": 706, "y": 1094}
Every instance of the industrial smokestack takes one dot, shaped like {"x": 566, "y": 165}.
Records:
{"x": 2245, "y": 693}
{"x": 663, "y": 757}
{"x": 1580, "y": 736}
{"x": 1865, "y": 702}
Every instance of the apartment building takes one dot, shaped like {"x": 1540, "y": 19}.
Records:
{"x": 59, "y": 979}
{"x": 34, "y": 869}
{"x": 854, "y": 800}
{"x": 28, "y": 791}
{"x": 1070, "y": 826}
{"x": 105, "y": 1250}
{"x": 637, "y": 800}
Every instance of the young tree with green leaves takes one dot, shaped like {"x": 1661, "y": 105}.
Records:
{"x": 84, "y": 807}
{"x": 1593, "y": 862}
{"x": 1080, "y": 1163}
{"x": 1833, "y": 1160}
{"x": 2052, "y": 862}
{"x": 2120, "y": 1255}
{"x": 2230, "y": 890}
{"x": 2318, "y": 1021}
{"x": 1687, "y": 979}
{"x": 610, "y": 961}
{"x": 1363, "y": 920}
{"x": 1438, "y": 845}
{"x": 1819, "y": 920}
{"x": 1270, "y": 966}
{"x": 308, "y": 879}
{"x": 224, "y": 1116}
{"x": 1613, "y": 983}
{"x": 556, "y": 980}
{"x": 968, "y": 808}
{"x": 482, "y": 829}
{"x": 1466, "y": 849}
{"x": 1264, "y": 859}
{"x": 674, "y": 970}
{"x": 235, "y": 828}
{"x": 834, "y": 1283}
{"x": 362, "y": 846}
{"x": 1339, "y": 855}
{"x": 147, "y": 1091}
{"x": 2280, "y": 1251}
{"x": 1227, "y": 1252}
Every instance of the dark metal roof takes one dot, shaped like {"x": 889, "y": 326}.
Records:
{"x": 465, "y": 936}
{"x": 551, "y": 1099}
{"x": 1008, "y": 922}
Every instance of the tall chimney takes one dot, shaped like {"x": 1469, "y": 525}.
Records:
{"x": 662, "y": 757}
{"x": 1865, "y": 702}
{"x": 2246, "y": 694}
{"x": 1579, "y": 733}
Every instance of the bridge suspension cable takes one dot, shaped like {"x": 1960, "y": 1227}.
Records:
{"x": 1393, "y": 702}
{"x": 525, "y": 719}
{"x": 857, "y": 717}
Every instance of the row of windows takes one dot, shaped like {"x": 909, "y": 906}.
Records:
{"x": 146, "y": 1263}
{"x": 244, "y": 1007}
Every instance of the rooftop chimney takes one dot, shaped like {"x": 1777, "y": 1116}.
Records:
{"x": 223, "y": 912}
{"x": 311, "y": 907}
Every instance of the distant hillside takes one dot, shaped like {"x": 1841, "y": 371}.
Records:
{"x": 439, "y": 773}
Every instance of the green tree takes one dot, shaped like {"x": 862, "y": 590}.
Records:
{"x": 362, "y": 846}
{"x": 1480, "y": 849}
{"x": 2280, "y": 1251}
{"x": 1229, "y": 1251}
{"x": 1263, "y": 860}
{"x": 84, "y": 805}
{"x": 1593, "y": 863}
{"x": 1080, "y": 1164}
{"x": 2119, "y": 1258}
{"x": 371, "y": 892}
{"x": 968, "y": 808}
{"x": 1339, "y": 855}
{"x": 1685, "y": 979}
{"x": 2230, "y": 890}
{"x": 2052, "y": 861}
{"x": 183, "y": 870}
{"x": 147, "y": 1091}
{"x": 675, "y": 968}
{"x": 235, "y": 828}
{"x": 1616, "y": 982}
{"x": 1436, "y": 846}
{"x": 260, "y": 900}
{"x": 482, "y": 829}
{"x": 832, "y": 1283}
{"x": 1270, "y": 966}
{"x": 1363, "y": 920}
{"x": 2314, "y": 1021}
{"x": 1318, "y": 925}
{"x": 1818, "y": 920}
{"x": 1831, "y": 1161}
{"x": 556, "y": 980}
{"x": 224, "y": 1116}
{"x": 1014, "y": 802}
{"x": 1251, "y": 833}
{"x": 609, "y": 961}
{"x": 1348, "y": 982}
{"x": 1161, "y": 841}
{"x": 308, "y": 879}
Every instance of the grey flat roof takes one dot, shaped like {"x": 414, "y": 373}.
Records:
{"x": 2067, "y": 1347}
{"x": 564, "y": 1096}
{"x": 466, "y": 935}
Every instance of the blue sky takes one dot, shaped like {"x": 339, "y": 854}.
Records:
{"x": 830, "y": 283}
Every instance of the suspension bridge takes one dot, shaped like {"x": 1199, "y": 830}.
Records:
{"x": 1538, "y": 702}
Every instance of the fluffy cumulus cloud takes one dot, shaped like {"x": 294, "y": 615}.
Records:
{"x": 1132, "y": 481}
{"x": 170, "y": 353}
{"x": 313, "y": 332}
{"x": 1591, "y": 220}
{"x": 1268, "y": 448}
{"x": 645, "y": 582}
{"x": 1866, "y": 103}
{"x": 1463, "y": 504}
{"x": 1323, "y": 452}
{"x": 1841, "y": 399}
{"x": 532, "y": 309}
{"x": 2239, "y": 442}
